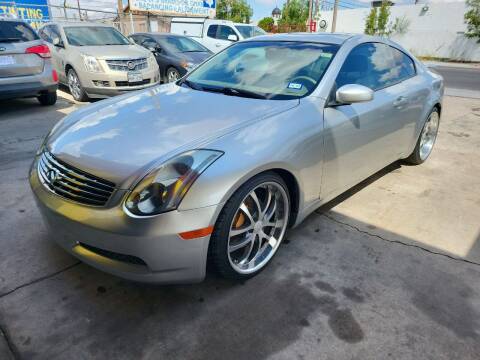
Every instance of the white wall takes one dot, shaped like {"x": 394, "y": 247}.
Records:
{"x": 437, "y": 32}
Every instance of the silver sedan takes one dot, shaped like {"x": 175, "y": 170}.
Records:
{"x": 215, "y": 168}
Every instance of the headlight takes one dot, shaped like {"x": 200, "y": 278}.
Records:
{"x": 91, "y": 63}
{"x": 187, "y": 65}
{"x": 163, "y": 189}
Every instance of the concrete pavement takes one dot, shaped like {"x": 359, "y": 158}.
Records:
{"x": 461, "y": 80}
{"x": 388, "y": 270}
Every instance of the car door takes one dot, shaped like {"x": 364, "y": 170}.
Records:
{"x": 217, "y": 37}
{"x": 49, "y": 33}
{"x": 362, "y": 138}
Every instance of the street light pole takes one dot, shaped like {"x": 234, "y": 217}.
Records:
{"x": 334, "y": 21}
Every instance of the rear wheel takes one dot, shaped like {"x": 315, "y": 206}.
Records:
{"x": 426, "y": 140}
{"x": 251, "y": 227}
{"x": 75, "y": 86}
{"x": 48, "y": 98}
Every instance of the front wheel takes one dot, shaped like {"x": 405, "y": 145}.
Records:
{"x": 75, "y": 86}
{"x": 426, "y": 140}
{"x": 172, "y": 75}
{"x": 251, "y": 227}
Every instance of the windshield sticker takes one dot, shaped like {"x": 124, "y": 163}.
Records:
{"x": 294, "y": 86}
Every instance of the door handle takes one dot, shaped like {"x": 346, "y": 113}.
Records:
{"x": 400, "y": 101}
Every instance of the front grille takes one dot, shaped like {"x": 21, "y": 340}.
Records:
{"x": 137, "y": 83}
{"x": 128, "y": 64}
{"x": 114, "y": 255}
{"x": 72, "y": 183}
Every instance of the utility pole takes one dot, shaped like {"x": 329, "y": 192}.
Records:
{"x": 334, "y": 21}
{"x": 310, "y": 4}
{"x": 79, "y": 12}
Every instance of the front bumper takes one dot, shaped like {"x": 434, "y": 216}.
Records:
{"x": 146, "y": 249}
{"x": 113, "y": 83}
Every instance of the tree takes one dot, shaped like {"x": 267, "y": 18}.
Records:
{"x": 382, "y": 20}
{"x": 234, "y": 10}
{"x": 266, "y": 23}
{"x": 295, "y": 12}
{"x": 371, "y": 22}
{"x": 472, "y": 19}
{"x": 377, "y": 22}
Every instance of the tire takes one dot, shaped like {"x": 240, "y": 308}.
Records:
{"x": 260, "y": 241}
{"x": 172, "y": 75}
{"x": 75, "y": 86}
{"x": 426, "y": 139}
{"x": 47, "y": 99}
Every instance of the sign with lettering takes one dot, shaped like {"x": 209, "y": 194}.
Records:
{"x": 200, "y": 8}
{"x": 34, "y": 12}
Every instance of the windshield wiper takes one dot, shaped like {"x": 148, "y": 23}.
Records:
{"x": 190, "y": 84}
{"x": 238, "y": 92}
{"x": 10, "y": 39}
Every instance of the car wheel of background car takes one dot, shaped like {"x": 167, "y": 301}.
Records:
{"x": 76, "y": 87}
{"x": 250, "y": 227}
{"x": 426, "y": 140}
{"x": 49, "y": 98}
{"x": 172, "y": 75}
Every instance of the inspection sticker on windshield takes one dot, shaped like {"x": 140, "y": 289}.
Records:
{"x": 294, "y": 86}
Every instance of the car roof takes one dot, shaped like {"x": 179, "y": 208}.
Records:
{"x": 324, "y": 38}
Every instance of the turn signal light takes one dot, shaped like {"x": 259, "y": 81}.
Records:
{"x": 41, "y": 50}
{"x": 189, "y": 235}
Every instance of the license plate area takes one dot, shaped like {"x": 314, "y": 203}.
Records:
{"x": 134, "y": 77}
{"x": 6, "y": 60}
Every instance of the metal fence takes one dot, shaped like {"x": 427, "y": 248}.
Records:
{"x": 38, "y": 12}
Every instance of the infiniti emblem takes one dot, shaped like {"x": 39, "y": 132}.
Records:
{"x": 131, "y": 65}
{"x": 53, "y": 176}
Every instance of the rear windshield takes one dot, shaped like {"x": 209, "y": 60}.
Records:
{"x": 16, "y": 31}
{"x": 94, "y": 36}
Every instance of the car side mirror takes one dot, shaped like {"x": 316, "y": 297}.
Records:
{"x": 353, "y": 93}
{"x": 57, "y": 42}
{"x": 232, "y": 37}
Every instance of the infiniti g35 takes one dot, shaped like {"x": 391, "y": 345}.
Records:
{"x": 217, "y": 166}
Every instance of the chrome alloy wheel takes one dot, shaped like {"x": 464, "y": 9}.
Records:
{"x": 74, "y": 85}
{"x": 172, "y": 75}
{"x": 258, "y": 227}
{"x": 429, "y": 135}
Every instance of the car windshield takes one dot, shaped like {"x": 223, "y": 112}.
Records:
{"x": 16, "y": 31}
{"x": 249, "y": 31}
{"x": 264, "y": 69}
{"x": 94, "y": 36}
{"x": 178, "y": 44}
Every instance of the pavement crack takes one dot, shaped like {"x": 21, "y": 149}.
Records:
{"x": 11, "y": 347}
{"x": 399, "y": 242}
{"x": 40, "y": 279}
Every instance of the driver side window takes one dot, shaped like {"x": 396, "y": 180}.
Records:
{"x": 375, "y": 66}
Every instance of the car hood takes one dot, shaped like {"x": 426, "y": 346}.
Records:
{"x": 195, "y": 57}
{"x": 122, "y": 138}
{"x": 114, "y": 51}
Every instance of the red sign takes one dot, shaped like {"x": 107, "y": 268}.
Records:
{"x": 313, "y": 26}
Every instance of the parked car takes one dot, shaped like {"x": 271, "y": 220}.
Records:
{"x": 97, "y": 61}
{"x": 220, "y": 164}
{"x": 175, "y": 54}
{"x": 25, "y": 64}
{"x": 216, "y": 35}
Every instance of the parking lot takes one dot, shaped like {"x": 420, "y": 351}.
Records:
{"x": 388, "y": 270}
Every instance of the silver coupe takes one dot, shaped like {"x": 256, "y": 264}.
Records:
{"x": 216, "y": 167}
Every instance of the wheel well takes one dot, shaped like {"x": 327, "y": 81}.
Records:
{"x": 68, "y": 67}
{"x": 293, "y": 190}
{"x": 438, "y": 106}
